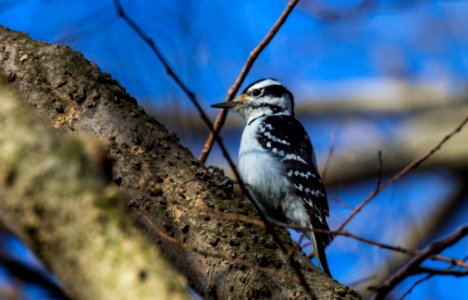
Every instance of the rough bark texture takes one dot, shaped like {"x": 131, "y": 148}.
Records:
{"x": 53, "y": 196}
{"x": 167, "y": 186}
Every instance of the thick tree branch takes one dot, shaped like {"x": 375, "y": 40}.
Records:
{"x": 54, "y": 197}
{"x": 122, "y": 13}
{"x": 158, "y": 173}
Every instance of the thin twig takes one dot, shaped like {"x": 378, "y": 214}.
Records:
{"x": 150, "y": 42}
{"x": 219, "y": 141}
{"x": 379, "y": 179}
{"x": 340, "y": 202}
{"x": 447, "y": 271}
{"x": 257, "y": 222}
{"x": 221, "y": 117}
{"x": 297, "y": 245}
{"x": 421, "y": 280}
{"x": 329, "y": 155}
{"x": 415, "y": 284}
{"x": 455, "y": 262}
{"x": 361, "y": 280}
{"x": 434, "y": 256}
{"x": 379, "y": 171}
{"x": 413, "y": 165}
{"x": 410, "y": 268}
{"x": 238, "y": 262}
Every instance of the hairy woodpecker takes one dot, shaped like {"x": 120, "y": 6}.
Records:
{"x": 277, "y": 162}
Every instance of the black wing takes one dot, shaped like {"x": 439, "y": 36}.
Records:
{"x": 285, "y": 138}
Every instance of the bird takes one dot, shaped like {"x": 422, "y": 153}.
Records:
{"x": 277, "y": 162}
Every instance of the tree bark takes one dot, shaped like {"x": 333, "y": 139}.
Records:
{"x": 53, "y": 197}
{"x": 168, "y": 188}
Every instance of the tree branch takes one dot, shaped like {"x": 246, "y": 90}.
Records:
{"x": 157, "y": 172}
{"x": 219, "y": 121}
{"x": 54, "y": 197}
{"x": 204, "y": 117}
{"x": 421, "y": 280}
{"x": 410, "y": 167}
{"x": 448, "y": 271}
{"x": 412, "y": 266}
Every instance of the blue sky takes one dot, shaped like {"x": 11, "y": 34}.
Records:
{"x": 207, "y": 43}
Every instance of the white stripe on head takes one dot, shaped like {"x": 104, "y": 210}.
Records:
{"x": 264, "y": 83}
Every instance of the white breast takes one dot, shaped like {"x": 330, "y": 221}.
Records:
{"x": 262, "y": 172}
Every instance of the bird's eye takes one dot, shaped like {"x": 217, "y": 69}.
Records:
{"x": 257, "y": 92}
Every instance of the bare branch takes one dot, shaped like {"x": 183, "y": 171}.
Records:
{"x": 240, "y": 218}
{"x": 155, "y": 170}
{"x": 434, "y": 271}
{"x": 362, "y": 280}
{"x": 421, "y": 280}
{"x": 150, "y": 42}
{"x": 234, "y": 261}
{"x": 402, "y": 172}
{"x": 207, "y": 121}
{"x": 379, "y": 171}
{"x": 329, "y": 156}
{"x": 219, "y": 121}
{"x": 411, "y": 267}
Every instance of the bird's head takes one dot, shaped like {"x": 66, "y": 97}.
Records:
{"x": 264, "y": 97}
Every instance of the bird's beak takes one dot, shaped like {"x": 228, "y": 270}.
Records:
{"x": 232, "y": 104}
{"x": 227, "y": 105}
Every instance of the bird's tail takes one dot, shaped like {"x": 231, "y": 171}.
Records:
{"x": 319, "y": 241}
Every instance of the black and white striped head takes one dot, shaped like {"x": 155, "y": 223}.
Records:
{"x": 264, "y": 97}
